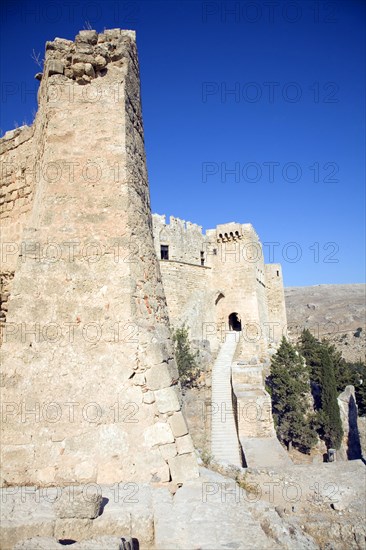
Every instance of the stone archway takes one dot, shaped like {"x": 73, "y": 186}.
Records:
{"x": 234, "y": 322}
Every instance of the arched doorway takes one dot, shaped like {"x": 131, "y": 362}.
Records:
{"x": 234, "y": 322}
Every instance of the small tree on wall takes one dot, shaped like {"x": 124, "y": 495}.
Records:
{"x": 188, "y": 368}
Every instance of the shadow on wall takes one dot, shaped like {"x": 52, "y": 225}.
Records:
{"x": 353, "y": 444}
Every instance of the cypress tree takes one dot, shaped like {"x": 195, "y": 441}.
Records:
{"x": 309, "y": 348}
{"x": 325, "y": 365}
{"x": 331, "y": 424}
{"x": 288, "y": 385}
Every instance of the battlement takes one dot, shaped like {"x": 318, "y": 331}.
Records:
{"x": 235, "y": 231}
{"x": 176, "y": 223}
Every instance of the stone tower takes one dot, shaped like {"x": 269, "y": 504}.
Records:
{"x": 89, "y": 384}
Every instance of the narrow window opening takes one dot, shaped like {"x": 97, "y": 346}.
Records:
{"x": 278, "y": 273}
{"x": 202, "y": 257}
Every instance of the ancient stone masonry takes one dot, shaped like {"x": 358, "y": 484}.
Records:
{"x": 218, "y": 284}
{"x": 83, "y": 293}
{"x": 91, "y": 286}
{"x": 219, "y": 281}
{"x": 89, "y": 384}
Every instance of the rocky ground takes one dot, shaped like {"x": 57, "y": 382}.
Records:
{"x": 335, "y": 312}
{"x": 316, "y": 507}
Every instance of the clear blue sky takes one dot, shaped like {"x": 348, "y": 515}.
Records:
{"x": 292, "y": 130}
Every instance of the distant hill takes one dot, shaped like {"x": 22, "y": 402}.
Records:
{"x": 331, "y": 311}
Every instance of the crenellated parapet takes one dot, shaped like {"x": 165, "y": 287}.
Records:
{"x": 178, "y": 240}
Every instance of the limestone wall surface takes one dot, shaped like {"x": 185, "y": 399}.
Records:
{"x": 276, "y": 300}
{"x": 89, "y": 382}
{"x": 188, "y": 293}
{"x": 16, "y": 193}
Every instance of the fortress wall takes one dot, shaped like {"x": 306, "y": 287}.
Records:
{"x": 276, "y": 300}
{"x": 238, "y": 281}
{"x": 238, "y": 268}
{"x": 185, "y": 239}
{"x": 189, "y": 296}
{"x": 16, "y": 193}
{"x": 89, "y": 383}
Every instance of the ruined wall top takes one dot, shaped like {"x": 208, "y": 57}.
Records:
{"x": 88, "y": 56}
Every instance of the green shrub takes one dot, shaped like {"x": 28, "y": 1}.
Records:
{"x": 188, "y": 368}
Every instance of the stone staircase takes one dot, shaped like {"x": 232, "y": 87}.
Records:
{"x": 224, "y": 438}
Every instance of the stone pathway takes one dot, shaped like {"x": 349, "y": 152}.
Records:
{"x": 264, "y": 452}
{"x": 224, "y": 437}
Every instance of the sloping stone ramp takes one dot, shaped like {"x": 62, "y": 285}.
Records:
{"x": 224, "y": 439}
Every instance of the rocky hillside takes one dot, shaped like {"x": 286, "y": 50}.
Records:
{"x": 336, "y": 312}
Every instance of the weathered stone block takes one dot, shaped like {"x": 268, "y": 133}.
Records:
{"x": 160, "y": 376}
{"x": 184, "y": 445}
{"x": 55, "y": 67}
{"x": 82, "y": 58}
{"x": 88, "y": 36}
{"x": 183, "y": 468}
{"x": 82, "y": 47}
{"x": 168, "y": 451}
{"x": 99, "y": 62}
{"x": 114, "y": 520}
{"x": 178, "y": 424}
{"x": 82, "y": 503}
{"x": 139, "y": 379}
{"x": 38, "y": 543}
{"x": 158, "y": 434}
{"x": 149, "y": 397}
{"x": 74, "y": 529}
{"x": 161, "y": 474}
{"x": 97, "y": 543}
{"x": 110, "y": 542}
{"x": 89, "y": 70}
{"x": 167, "y": 400}
{"x": 78, "y": 69}
{"x": 59, "y": 44}
{"x": 112, "y": 34}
